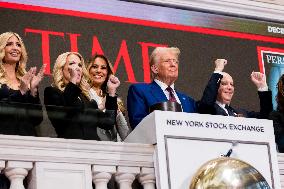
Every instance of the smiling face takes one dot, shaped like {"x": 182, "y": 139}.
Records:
{"x": 166, "y": 69}
{"x": 98, "y": 72}
{"x": 13, "y": 50}
{"x": 73, "y": 62}
{"x": 226, "y": 89}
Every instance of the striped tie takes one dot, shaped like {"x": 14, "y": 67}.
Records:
{"x": 230, "y": 110}
{"x": 172, "y": 97}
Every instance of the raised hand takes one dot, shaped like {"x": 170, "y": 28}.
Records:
{"x": 258, "y": 79}
{"x": 220, "y": 64}
{"x": 36, "y": 79}
{"x": 26, "y": 80}
{"x": 112, "y": 84}
{"x": 75, "y": 73}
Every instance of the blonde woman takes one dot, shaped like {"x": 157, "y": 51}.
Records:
{"x": 100, "y": 71}
{"x": 20, "y": 105}
{"x": 68, "y": 102}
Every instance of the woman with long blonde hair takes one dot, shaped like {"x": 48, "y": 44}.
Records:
{"x": 69, "y": 106}
{"x": 18, "y": 88}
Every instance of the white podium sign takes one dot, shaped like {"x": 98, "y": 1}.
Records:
{"x": 184, "y": 142}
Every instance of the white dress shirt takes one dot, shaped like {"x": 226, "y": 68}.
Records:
{"x": 164, "y": 86}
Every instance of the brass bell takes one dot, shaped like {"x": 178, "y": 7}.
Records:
{"x": 228, "y": 173}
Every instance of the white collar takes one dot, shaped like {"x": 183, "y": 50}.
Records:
{"x": 163, "y": 85}
{"x": 221, "y": 104}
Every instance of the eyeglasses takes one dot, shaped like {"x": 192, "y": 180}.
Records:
{"x": 171, "y": 60}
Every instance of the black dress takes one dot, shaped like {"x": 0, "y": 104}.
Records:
{"x": 75, "y": 117}
{"x": 19, "y": 114}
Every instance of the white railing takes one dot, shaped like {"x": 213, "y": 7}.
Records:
{"x": 69, "y": 164}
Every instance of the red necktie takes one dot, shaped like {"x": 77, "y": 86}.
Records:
{"x": 172, "y": 97}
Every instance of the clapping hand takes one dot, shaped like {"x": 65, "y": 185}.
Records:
{"x": 36, "y": 79}
{"x": 31, "y": 80}
{"x": 220, "y": 64}
{"x": 112, "y": 84}
{"x": 258, "y": 79}
{"x": 26, "y": 80}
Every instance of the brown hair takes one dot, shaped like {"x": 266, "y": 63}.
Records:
{"x": 109, "y": 70}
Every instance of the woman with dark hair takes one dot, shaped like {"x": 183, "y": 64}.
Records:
{"x": 278, "y": 116}
{"x": 100, "y": 71}
{"x": 70, "y": 109}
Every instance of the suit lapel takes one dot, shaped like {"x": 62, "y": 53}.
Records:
{"x": 183, "y": 102}
{"x": 157, "y": 92}
{"x": 239, "y": 112}
{"x": 219, "y": 110}
{"x": 234, "y": 110}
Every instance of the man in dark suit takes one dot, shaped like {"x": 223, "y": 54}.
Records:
{"x": 164, "y": 69}
{"x": 219, "y": 92}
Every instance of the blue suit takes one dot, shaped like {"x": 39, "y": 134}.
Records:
{"x": 142, "y": 96}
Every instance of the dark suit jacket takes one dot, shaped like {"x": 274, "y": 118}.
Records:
{"x": 74, "y": 116}
{"x": 19, "y": 114}
{"x": 278, "y": 124}
{"x": 207, "y": 103}
{"x": 142, "y": 96}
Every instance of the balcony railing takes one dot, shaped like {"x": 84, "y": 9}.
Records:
{"x": 68, "y": 164}
{"x": 74, "y": 164}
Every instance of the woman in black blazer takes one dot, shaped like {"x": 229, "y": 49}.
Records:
{"x": 68, "y": 103}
